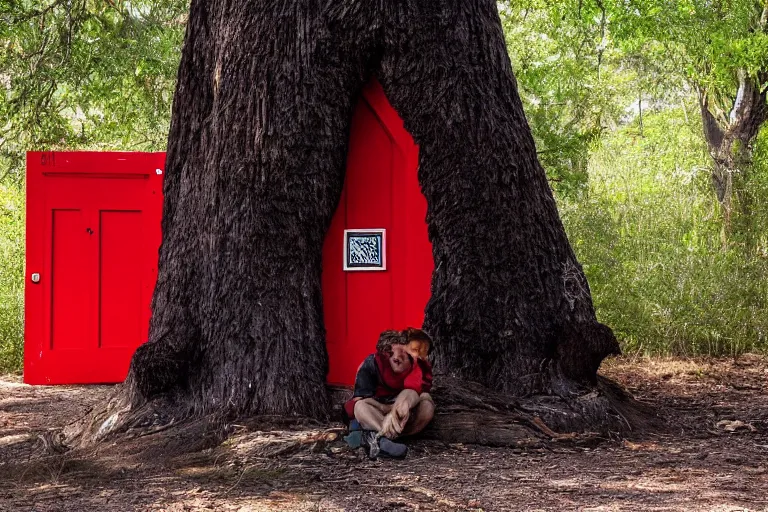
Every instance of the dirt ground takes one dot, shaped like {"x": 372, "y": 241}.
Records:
{"x": 717, "y": 461}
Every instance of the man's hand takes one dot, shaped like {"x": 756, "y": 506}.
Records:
{"x": 402, "y": 411}
{"x": 389, "y": 427}
{"x": 395, "y": 421}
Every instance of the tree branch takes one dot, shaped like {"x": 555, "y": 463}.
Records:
{"x": 713, "y": 133}
{"x": 603, "y": 21}
{"x": 40, "y": 12}
{"x": 750, "y": 110}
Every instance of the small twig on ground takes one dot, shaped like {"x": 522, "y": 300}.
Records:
{"x": 239, "y": 479}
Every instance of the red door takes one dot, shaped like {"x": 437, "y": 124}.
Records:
{"x": 381, "y": 192}
{"x": 93, "y": 229}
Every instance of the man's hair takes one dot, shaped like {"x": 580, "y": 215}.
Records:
{"x": 412, "y": 334}
{"x": 389, "y": 338}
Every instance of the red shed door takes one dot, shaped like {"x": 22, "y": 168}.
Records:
{"x": 93, "y": 229}
{"x": 382, "y": 193}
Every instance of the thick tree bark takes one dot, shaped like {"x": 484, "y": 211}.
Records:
{"x": 255, "y": 169}
{"x": 510, "y": 305}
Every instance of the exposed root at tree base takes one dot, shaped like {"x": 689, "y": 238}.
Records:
{"x": 467, "y": 413}
{"x": 115, "y": 420}
{"x": 470, "y": 413}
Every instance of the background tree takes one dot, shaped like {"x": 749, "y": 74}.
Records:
{"x": 721, "y": 48}
{"x": 85, "y": 74}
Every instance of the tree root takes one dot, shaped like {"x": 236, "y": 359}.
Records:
{"x": 467, "y": 413}
{"x": 470, "y": 413}
{"x": 117, "y": 418}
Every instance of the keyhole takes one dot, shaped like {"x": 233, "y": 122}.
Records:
{"x": 89, "y": 231}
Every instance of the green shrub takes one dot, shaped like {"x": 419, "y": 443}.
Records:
{"x": 11, "y": 278}
{"x": 649, "y": 233}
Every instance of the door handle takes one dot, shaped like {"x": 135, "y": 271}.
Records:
{"x": 35, "y": 278}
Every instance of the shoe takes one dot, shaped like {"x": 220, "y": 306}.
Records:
{"x": 354, "y": 439}
{"x": 392, "y": 449}
{"x": 370, "y": 442}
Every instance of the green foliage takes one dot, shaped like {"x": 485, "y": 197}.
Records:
{"x": 610, "y": 89}
{"x": 566, "y": 80}
{"x": 704, "y": 42}
{"x": 86, "y": 74}
{"x": 11, "y": 277}
{"x": 575, "y": 82}
{"x": 648, "y": 233}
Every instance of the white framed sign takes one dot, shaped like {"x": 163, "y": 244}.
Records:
{"x": 365, "y": 249}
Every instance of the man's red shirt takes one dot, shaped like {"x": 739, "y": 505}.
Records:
{"x": 375, "y": 378}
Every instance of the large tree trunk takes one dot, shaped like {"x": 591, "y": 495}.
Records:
{"x": 510, "y": 305}
{"x": 254, "y": 172}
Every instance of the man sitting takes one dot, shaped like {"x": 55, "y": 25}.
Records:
{"x": 391, "y": 396}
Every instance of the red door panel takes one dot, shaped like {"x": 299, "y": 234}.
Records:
{"x": 369, "y": 205}
{"x": 381, "y": 191}
{"x": 120, "y": 279}
{"x": 68, "y": 277}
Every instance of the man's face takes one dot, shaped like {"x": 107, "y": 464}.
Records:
{"x": 400, "y": 361}
{"x": 418, "y": 348}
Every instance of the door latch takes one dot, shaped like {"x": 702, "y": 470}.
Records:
{"x": 35, "y": 278}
